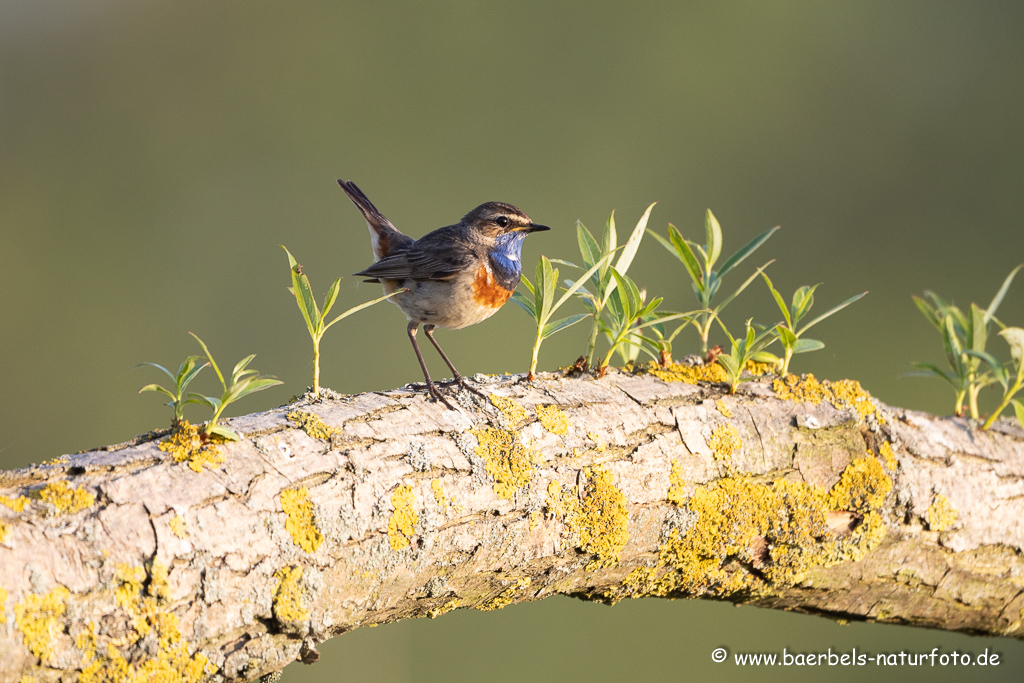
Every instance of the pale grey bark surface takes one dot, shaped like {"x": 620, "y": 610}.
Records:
{"x": 407, "y": 520}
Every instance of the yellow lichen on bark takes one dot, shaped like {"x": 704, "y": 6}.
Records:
{"x": 65, "y": 499}
{"x": 513, "y": 412}
{"x": 691, "y": 374}
{"x": 844, "y": 393}
{"x": 312, "y": 424}
{"x": 941, "y": 515}
{"x": 599, "y": 522}
{"x": 185, "y": 444}
{"x": 862, "y": 486}
{"x": 725, "y": 441}
{"x": 17, "y": 504}
{"x": 288, "y": 604}
{"x": 553, "y": 419}
{"x": 402, "y": 523}
{"x": 300, "y": 522}
{"x": 178, "y": 526}
{"x": 677, "y": 485}
{"x": 506, "y": 597}
{"x": 37, "y": 617}
{"x": 509, "y": 463}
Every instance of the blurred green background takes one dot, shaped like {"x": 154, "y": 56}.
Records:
{"x": 153, "y": 156}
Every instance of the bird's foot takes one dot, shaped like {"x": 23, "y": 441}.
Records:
{"x": 436, "y": 395}
{"x": 462, "y": 382}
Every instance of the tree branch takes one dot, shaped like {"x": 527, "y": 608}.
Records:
{"x": 360, "y": 510}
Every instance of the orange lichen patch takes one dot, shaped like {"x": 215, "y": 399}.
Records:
{"x": 60, "y": 495}
{"x": 402, "y": 523}
{"x": 677, "y": 372}
{"x": 5, "y": 532}
{"x": 553, "y": 419}
{"x": 17, "y": 504}
{"x": 843, "y": 394}
{"x": 725, "y": 440}
{"x": 301, "y": 524}
{"x": 677, "y": 485}
{"x": 941, "y": 515}
{"x": 486, "y": 290}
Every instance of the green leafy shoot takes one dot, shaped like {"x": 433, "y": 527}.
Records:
{"x": 964, "y": 338}
{"x": 700, "y": 262}
{"x": 316, "y": 319}
{"x": 749, "y": 347}
{"x": 628, "y": 313}
{"x": 541, "y": 304}
{"x": 187, "y": 372}
{"x": 790, "y": 331}
{"x": 1009, "y": 376}
{"x": 599, "y": 287}
{"x": 243, "y": 382}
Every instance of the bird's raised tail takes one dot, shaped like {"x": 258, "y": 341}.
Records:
{"x": 384, "y": 236}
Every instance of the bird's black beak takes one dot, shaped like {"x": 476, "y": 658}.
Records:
{"x": 534, "y": 227}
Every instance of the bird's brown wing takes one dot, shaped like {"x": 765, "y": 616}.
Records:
{"x": 440, "y": 255}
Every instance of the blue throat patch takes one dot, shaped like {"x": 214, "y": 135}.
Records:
{"x": 505, "y": 259}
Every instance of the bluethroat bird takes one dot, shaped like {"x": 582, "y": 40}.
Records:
{"x": 457, "y": 275}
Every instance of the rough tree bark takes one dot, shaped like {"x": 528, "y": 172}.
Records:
{"x": 359, "y": 510}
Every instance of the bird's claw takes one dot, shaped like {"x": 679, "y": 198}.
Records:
{"x": 461, "y": 381}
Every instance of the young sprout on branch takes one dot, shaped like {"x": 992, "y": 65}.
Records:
{"x": 315, "y": 317}
{"x": 187, "y": 371}
{"x": 541, "y": 304}
{"x": 750, "y": 347}
{"x": 1010, "y": 376}
{"x": 790, "y": 330}
{"x": 243, "y": 383}
{"x": 706, "y": 280}
{"x": 599, "y": 286}
{"x": 963, "y": 340}
{"x": 628, "y": 312}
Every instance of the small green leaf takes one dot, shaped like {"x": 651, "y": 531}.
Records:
{"x": 1018, "y": 408}
{"x": 157, "y": 387}
{"x": 365, "y": 304}
{"x": 559, "y": 325}
{"x": 221, "y": 430}
{"x": 807, "y": 345}
{"x": 787, "y": 337}
{"x": 998, "y": 298}
{"x": 588, "y": 245}
{"x": 209, "y": 357}
{"x": 1014, "y": 336}
{"x": 158, "y": 367}
{"x": 713, "y": 235}
{"x": 832, "y": 311}
{"x": 520, "y": 300}
{"x": 745, "y": 251}
{"x": 329, "y": 299}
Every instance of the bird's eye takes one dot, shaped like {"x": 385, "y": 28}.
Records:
{"x": 501, "y": 221}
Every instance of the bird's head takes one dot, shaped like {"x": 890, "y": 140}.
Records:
{"x": 495, "y": 219}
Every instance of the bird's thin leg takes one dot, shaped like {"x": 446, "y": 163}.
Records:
{"x": 423, "y": 366}
{"x": 458, "y": 378}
